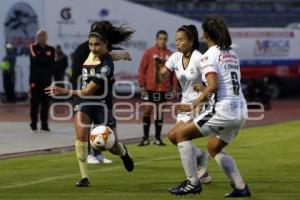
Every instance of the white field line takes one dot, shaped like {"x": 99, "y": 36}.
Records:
{"x": 77, "y": 174}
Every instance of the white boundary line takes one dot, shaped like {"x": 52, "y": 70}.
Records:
{"x": 90, "y": 172}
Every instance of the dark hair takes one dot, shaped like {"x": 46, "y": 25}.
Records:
{"x": 217, "y": 30}
{"x": 112, "y": 34}
{"x": 163, "y": 32}
{"x": 94, "y": 25}
{"x": 192, "y": 33}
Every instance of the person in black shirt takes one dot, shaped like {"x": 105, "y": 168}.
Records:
{"x": 61, "y": 64}
{"x": 96, "y": 88}
{"x": 42, "y": 60}
{"x": 8, "y": 73}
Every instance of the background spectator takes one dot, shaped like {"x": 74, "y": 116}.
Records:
{"x": 8, "y": 70}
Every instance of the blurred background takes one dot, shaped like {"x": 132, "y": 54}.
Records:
{"x": 265, "y": 35}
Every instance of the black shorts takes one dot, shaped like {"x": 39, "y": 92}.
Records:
{"x": 99, "y": 114}
{"x": 155, "y": 97}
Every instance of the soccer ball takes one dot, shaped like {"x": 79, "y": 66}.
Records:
{"x": 102, "y": 137}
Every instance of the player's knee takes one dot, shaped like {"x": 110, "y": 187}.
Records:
{"x": 213, "y": 151}
{"x": 171, "y": 136}
{"x": 82, "y": 135}
{"x": 147, "y": 111}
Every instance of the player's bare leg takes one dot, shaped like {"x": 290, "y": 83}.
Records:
{"x": 120, "y": 149}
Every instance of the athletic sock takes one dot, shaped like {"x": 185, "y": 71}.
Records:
{"x": 82, "y": 153}
{"x": 201, "y": 160}
{"x": 122, "y": 149}
{"x": 146, "y": 126}
{"x": 228, "y": 165}
{"x": 158, "y": 127}
{"x": 187, "y": 155}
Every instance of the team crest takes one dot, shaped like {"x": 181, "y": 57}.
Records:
{"x": 105, "y": 70}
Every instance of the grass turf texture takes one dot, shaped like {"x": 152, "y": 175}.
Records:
{"x": 268, "y": 158}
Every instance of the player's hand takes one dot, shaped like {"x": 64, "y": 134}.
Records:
{"x": 159, "y": 62}
{"x": 198, "y": 87}
{"x": 183, "y": 108}
{"x": 55, "y": 90}
{"x": 196, "y": 107}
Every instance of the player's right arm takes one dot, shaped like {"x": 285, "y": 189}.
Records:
{"x": 210, "y": 73}
{"x": 164, "y": 69}
{"x": 162, "y": 73}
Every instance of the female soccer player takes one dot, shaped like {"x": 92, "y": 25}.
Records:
{"x": 224, "y": 113}
{"x": 96, "y": 94}
{"x": 185, "y": 63}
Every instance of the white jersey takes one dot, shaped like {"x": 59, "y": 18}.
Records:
{"x": 227, "y": 66}
{"x": 225, "y": 117}
{"x": 187, "y": 77}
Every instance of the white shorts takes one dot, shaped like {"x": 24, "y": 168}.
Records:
{"x": 184, "y": 116}
{"x": 223, "y": 120}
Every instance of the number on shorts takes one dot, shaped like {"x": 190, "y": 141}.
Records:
{"x": 235, "y": 83}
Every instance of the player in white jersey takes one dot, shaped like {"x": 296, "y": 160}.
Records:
{"x": 185, "y": 63}
{"x": 223, "y": 115}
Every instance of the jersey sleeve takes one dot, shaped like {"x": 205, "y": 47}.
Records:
{"x": 208, "y": 64}
{"x": 170, "y": 64}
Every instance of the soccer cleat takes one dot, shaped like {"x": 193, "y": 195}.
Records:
{"x": 102, "y": 159}
{"x": 186, "y": 188}
{"x": 205, "y": 178}
{"x": 83, "y": 183}
{"x": 127, "y": 161}
{"x": 239, "y": 193}
{"x": 91, "y": 159}
{"x": 232, "y": 185}
{"x": 158, "y": 142}
{"x": 144, "y": 142}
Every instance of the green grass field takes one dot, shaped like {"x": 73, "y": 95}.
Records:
{"x": 268, "y": 158}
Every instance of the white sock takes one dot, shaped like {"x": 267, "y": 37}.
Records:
{"x": 188, "y": 159}
{"x": 198, "y": 152}
{"x": 228, "y": 165}
{"x": 201, "y": 160}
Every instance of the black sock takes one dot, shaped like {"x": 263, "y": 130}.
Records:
{"x": 158, "y": 127}
{"x": 89, "y": 148}
{"x": 146, "y": 126}
{"x": 96, "y": 152}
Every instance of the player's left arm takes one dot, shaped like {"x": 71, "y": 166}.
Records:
{"x": 120, "y": 56}
{"x": 90, "y": 89}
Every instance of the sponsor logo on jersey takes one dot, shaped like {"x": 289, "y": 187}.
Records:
{"x": 92, "y": 72}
